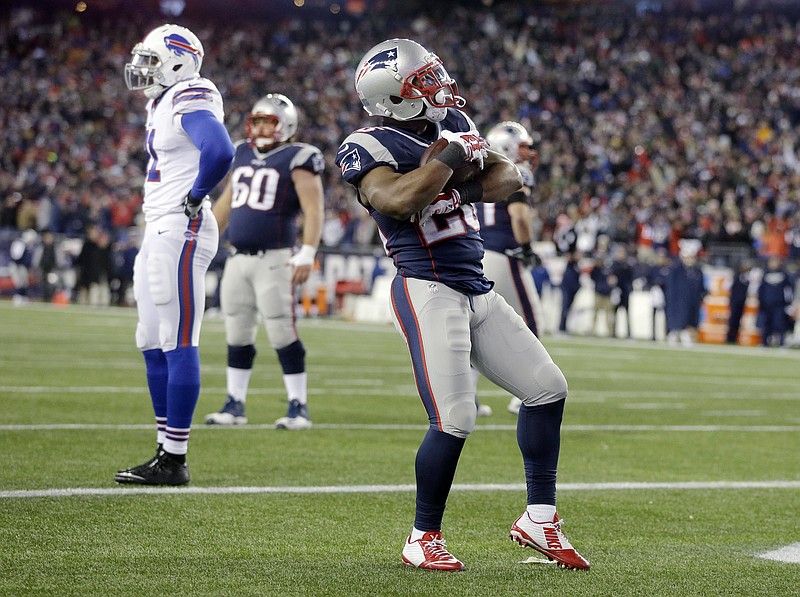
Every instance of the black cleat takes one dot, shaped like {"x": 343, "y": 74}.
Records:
{"x": 162, "y": 469}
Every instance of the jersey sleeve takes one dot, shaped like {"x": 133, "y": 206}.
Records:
{"x": 197, "y": 94}
{"x": 308, "y": 158}
{"x": 527, "y": 176}
{"x": 360, "y": 153}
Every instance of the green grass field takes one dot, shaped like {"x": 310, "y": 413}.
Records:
{"x": 678, "y": 469}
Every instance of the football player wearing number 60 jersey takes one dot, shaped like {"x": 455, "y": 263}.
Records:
{"x": 189, "y": 153}
{"x": 443, "y": 304}
{"x": 272, "y": 181}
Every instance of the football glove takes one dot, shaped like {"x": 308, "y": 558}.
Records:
{"x": 445, "y": 202}
{"x": 192, "y": 206}
{"x": 525, "y": 254}
{"x": 304, "y": 257}
{"x": 472, "y": 143}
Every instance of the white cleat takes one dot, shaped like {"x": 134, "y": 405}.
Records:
{"x": 430, "y": 553}
{"x": 547, "y": 538}
{"x": 296, "y": 418}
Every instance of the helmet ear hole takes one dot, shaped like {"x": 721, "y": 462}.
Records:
{"x": 395, "y": 99}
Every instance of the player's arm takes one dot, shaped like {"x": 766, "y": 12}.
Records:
{"x": 222, "y": 206}
{"x": 308, "y": 186}
{"x": 216, "y": 154}
{"x": 403, "y": 195}
{"x": 521, "y": 216}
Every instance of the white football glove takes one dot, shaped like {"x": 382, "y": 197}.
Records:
{"x": 304, "y": 257}
{"x": 472, "y": 143}
{"x": 445, "y": 202}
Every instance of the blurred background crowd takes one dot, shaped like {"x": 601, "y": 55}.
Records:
{"x": 655, "y": 121}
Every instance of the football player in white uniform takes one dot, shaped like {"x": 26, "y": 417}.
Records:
{"x": 507, "y": 232}
{"x": 189, "y": 152}
{"x": 272, "y": 181}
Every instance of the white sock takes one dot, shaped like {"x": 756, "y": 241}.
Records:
{"x": 295, "y": 384}
{"x": 541, "y": 512}
{"x": 238, "y": 381}
{"x": 417, "y": 534}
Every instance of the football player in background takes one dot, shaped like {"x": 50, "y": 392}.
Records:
{"x": 272, "y": 181}
{"x": 507, "y": 232}
{"x": 189, "y": 154}
{"x": 442, "y": 303}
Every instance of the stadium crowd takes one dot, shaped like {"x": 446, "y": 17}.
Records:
{"x": 650, "y": 127}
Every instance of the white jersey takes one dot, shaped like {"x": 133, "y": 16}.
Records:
{"x": 174, "y": 160}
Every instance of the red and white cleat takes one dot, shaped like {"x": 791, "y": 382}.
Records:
{"x": 429, "y": 552}
{"x": 547, "y": 538}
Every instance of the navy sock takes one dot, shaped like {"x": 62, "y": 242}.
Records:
{"x": 292, "y": 358}
{"x": 157, "y": 378}
{"x": 183, "y": 388}
{"x": 435, "y": 466}
{"x": 539, "y": 439}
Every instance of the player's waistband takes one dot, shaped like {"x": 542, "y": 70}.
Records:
{"x": 257, "y": 252}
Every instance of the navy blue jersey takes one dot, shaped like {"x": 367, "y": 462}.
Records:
{"x": 264, "y": 205}
{"x": 448, "y": 248}
{"x": 496, "y": 221}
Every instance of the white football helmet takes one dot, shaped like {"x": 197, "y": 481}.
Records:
{"x": 168, "y": 54}
{"x": 512, "y": 140}
{"x": 278, "y": 108}
{"x": 400, "y": 79}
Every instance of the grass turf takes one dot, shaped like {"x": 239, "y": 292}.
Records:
{"x": 638, "y": 412}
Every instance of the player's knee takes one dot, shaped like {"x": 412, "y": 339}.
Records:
{"x": 166, "y": 335}
{"x": 281, "y": 332}
{"x": 460, "y": 419}
{"x": 551, "y": 385}
{"x": 144, "y": 339}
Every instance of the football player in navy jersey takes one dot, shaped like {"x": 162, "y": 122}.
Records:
{"x": 443, "y": 304}
{"x": 272, "y": 181}
{"x": 189, "y": 153}
{"x": 507, "y": 232}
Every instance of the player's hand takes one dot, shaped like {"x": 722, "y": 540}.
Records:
{"x": 472, "y": 143}
{"x": 525, "y": 254}
{"x": 445, "y": 202}
{"x": 302, "y": 262}
{"x": 192, "y": 206}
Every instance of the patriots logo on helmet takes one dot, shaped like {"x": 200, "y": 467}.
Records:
{"x": 386, "y": 59}
{"x": 179, "y": 46}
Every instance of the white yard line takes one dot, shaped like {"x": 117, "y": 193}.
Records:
{"x": 409, "y": 427}
{"x": 329, "y": 489}
{"x": 789, "y": 554}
